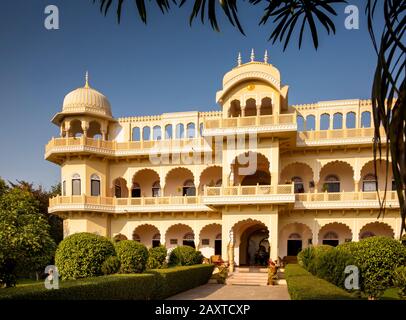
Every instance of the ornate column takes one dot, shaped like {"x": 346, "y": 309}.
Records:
{"x": 230, "y": 252}
{"x": 273, "y": 235}
{"x": 85, "y": 127}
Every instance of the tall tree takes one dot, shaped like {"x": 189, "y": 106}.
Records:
{"x": 25, "y": 242}
{"x": 388, "y": 88}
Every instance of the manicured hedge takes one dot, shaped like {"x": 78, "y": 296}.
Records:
{"x": 302, "y": 285}
{"x": 178, "y": 279}
{"x": 157, "y": 284}
{"x": 132, "y": 255}
{"x": 185, "y": 256}
{"x": 81, "y": 255}
{"x": 157, "y": 257}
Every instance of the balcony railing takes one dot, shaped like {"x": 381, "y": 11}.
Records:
{"x": 341, "y": 135}
{"x": 114, "y": 147}
{"x": 253, "y": 121}
{"x": 249, "y": 190}
{"x": 346, "y": 196}
{"x": 112, "y": 204}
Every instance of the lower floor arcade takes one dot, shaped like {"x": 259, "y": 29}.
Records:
{"x": 241, "y": 235}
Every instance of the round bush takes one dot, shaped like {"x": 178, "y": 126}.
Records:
{"x": 377, "y": 258}
{"x": 111, "y": 265}
{"x": 132, "y": 255}
{"x": 81, "y": 255}
{"x": 185, "y": 256}
{"x": 399, "y": 280}
{"x": 317, "y": 252}
{"x": 332, "y": 264}
{"x": 157, "y": 257}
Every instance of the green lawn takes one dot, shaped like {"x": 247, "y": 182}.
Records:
{"x": 302, "y": 285}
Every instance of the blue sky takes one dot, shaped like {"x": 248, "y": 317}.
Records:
{"x": 161, "y": 67}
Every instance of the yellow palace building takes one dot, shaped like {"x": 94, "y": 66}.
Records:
{"x": 259, "y": 178}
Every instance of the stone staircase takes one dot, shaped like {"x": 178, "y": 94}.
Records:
{"x": 253, "y": 276}
{"x": 249, "y": 276}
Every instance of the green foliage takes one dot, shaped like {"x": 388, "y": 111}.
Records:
{"x": 377, "y": 258}
{"x": 185, "y": 256}
{"x": 24, "y": 236}
{"x": 332, "y": 264}
{"x": 81, "y": 255}
{"x": 174, "y": 280}
{"x": 119, "y": 237}
{"x": 302, "y": 285}
{"x": 399, "y": 280}
{"x": 158, "y": 284}
{"x": 317, "y": 252}
{"x": 111, "y": 265}
{"x": 157, "y": 257}
{"x": 132, "y": 255}
{"x": 305, "y": 257}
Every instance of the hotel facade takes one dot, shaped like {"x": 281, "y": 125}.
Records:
{"x": 259, "y": 178}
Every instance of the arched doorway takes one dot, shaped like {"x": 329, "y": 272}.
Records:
{"x": 252, "y": 243}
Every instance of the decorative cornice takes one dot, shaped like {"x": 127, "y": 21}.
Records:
{"x": 250, "y": 130}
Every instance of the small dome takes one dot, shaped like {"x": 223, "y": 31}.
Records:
{"x": 84, "y": 100}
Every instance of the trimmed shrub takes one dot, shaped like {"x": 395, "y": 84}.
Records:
{"x": 317, "y": 252}
{"x": 81, "y": 255}
{"x": 132, "y": 255}
{"x": 158, "y": 284}
{"x": 111, "y": 265}
{"x": 157, "y": 257}
{"x": 119, "y": 237}
{"x": 178, "y": 279}
{"x": 305, "y": 257}
{"x": 302, "y": 285}
{"x": 185, "y": 256}
{"x": 332, "y": 264}
{"x": 399, "y": 280}
{"x": 377, "y": 258}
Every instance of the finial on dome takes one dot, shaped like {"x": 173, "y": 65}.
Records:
{"x": 87, "y": 79}
{"x": 252, "y": 55}
{"x": 266, "y": 56}
{"x": 239, "y": 60}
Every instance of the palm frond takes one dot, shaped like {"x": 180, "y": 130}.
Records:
{"x": 389, "y": 95}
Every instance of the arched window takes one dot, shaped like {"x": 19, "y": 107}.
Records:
{"x": 310, "y": 123}
{"x": 136, "y": 237}
{"x": 201, "y": 129}
{"x": 332, "y": 184}
{"x": 117, "y": 189}
{"x": 298, "y": 184}
{"x": 266, "y": 106}
{"x": 331, "y": 235}
{"x": 337, "y": 121}
{"x": 369, "y": 183}
{"x": 366, "y": 119}
{"x": 179, "y": 131}
{"x": 325, "y": 121}
{"x": 250, "y": 107}
{"x": 300, "y": 123}
{"x": 189, "y": 188}
{"x": 235, "y": 109}
{"x": 76, "y": 185}
{"x": 190, "y": 130}
{"x": 95, "y": 185}
{"x": 136, "y": 190}
{"x": 189, "y": 239}
{"x": 136, "y": 136}
{"x": 63, "y": 188}
{"x": 350, "y": 120}
{"x": 156, "y": 240}
{"x": 146, "y": 133}
{"x": 168, "y": 131}
{"x": 295, "y": 236}
{"x": 366, "y": 234}
{"x": 156, "y": 189}
{"x": 157, "y": 133}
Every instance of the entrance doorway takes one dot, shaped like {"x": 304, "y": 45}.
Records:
{"x": 255, "y": 247}
{"x": 333, "y": 243}
{"x": 217, "y": 247}
{"x": 294, "y": 247}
